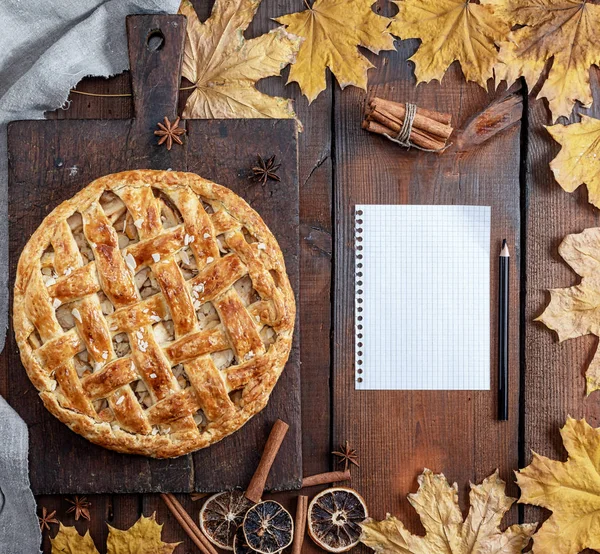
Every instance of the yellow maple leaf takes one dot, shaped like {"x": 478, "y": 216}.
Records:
{"x": 69, "y": 541}
{"x": 565, "y": 31}
{"x": 575, "y": 311}
{"x": 451, "y": 30}
{"x": 571, "y": 490}
{"x": 143, "y": 537}
{"x": 225, "y": 67}
{"x": 333, "y": 30}
{"x": 436, "y": 502}
{"x": 578, "y": 161}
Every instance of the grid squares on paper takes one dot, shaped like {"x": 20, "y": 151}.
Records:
{"x": 422, "y": 297}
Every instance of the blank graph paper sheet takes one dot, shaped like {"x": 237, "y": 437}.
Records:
{"x": 422, "y": 308}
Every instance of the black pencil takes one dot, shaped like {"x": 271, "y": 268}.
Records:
{"x": 503, "y": 302}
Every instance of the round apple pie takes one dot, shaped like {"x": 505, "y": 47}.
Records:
{"x": 153, "y": 312}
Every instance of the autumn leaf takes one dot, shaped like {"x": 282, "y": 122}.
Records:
{"x": 451, "y": 30}
{"x": 571, "y": 490}
{"x": 564, "y": 31}
{"x": 578, "y": 161}
{"x": 333, "y": 30}
{"x": 575, "y": 311}
{"x": 141, "y": 538}
{"x": 69, "y": 541}
{"x": 225, "y": 67}
{"x": 436, "y": 502}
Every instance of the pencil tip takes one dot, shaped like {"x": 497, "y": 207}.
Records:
{"x": 503, "y": 243}
{"x": 504, "y": 251}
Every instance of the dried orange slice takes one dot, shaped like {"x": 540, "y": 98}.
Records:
{"x": 268, "y": 527}
{"x": 221, "y": 515}
{"x": 240, "y": 546}
{"x": 333, "y": 518}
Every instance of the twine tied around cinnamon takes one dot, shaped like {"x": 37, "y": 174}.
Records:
{"x": 403, "y": 137}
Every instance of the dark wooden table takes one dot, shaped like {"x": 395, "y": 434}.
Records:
{"x": 397, "y": 433}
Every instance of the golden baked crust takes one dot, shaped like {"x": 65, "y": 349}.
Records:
{"x": 153, "y": 312}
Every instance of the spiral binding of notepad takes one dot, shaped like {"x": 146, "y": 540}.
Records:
{"x": 358, "y": 294}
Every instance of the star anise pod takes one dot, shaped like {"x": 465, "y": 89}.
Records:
{"x": 81, "y": 507}
{"x": 169, "y": 132}
{"x": 266, "y": 170}
{"x": 346, "y": 456}
{"x": 47, "y": 519}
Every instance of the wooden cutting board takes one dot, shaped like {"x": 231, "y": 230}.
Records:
{"x": 51, "y": 160}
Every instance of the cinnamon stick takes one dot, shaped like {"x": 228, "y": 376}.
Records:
{"x": 416, "y": 136}
{"x": 256, "y": 487}
{"x": 421, "y": 121}
{"x": 326, "y": 478}
{"x": 188, "y": 525}
{"x": 300, "y": 524}
{"x": 443, "y": 118}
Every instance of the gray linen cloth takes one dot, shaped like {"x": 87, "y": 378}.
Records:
{"x": 46, "y": 48}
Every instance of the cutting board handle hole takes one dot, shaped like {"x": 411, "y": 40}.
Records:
{"x": 155, "y": 40}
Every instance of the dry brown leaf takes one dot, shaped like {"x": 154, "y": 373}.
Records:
{"x": 225, "y": 67}
{"x": 333, "y": 30}
{"x": 571, "y": 490}
{"x": 451, "y": 30}
{"x": 575, "y": 311}
{"x": 143, "y": 537}
{"x": 505, "y": 111}
{"x": 578, "y": 161}
{"x": 436, "y": 502}
{"x": 565, "y": 31}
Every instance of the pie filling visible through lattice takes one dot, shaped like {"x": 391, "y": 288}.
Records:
{"x": 153, "y": 312}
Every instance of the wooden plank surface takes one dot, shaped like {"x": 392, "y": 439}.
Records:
{"x": 553, "y": 373}
{"x": 398, "y": 433}
{"x": 49, "y": 162}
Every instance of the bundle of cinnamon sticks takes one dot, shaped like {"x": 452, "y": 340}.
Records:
{"x": 430, "y": 129}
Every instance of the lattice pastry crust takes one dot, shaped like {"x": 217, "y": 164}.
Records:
{"x": 153, "y": 312}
